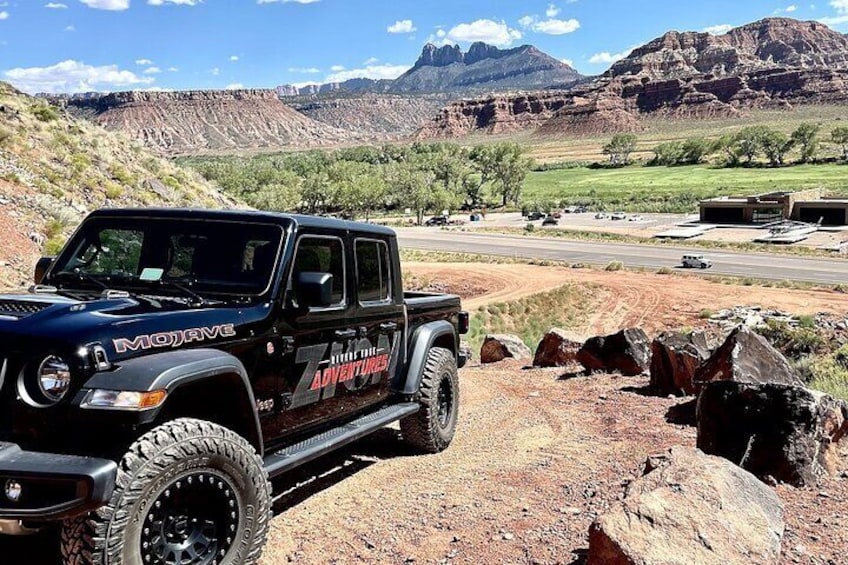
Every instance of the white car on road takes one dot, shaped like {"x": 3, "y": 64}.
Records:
{"x": 696, "y": 262}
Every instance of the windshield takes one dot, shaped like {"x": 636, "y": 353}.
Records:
{"x": 217, "y": 257}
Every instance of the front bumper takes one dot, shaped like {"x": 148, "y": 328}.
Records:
{"x": 53, "y": 487}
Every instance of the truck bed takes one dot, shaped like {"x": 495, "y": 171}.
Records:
{"x": 422, "y": 307}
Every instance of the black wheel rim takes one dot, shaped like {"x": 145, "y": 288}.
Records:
{"x": 445, "y": 402}
{"x": 193, "y": 521}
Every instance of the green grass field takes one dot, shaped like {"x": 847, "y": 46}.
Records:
{"x": 673, "y": 189}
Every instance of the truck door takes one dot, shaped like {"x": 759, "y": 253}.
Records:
{"x": 379, "y": 315}
{"x": 319, "y": 342}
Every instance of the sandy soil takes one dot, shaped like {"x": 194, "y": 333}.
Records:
{"x": 536, "y": 457}
{"x": 653, "y": 302}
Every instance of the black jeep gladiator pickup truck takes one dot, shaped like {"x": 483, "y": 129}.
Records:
{"x": 168, "y": 363}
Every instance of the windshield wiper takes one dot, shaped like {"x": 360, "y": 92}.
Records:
{"x": 84, "y": 276}
{"x": 198, "y": 299}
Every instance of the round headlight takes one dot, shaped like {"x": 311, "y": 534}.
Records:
{"x": 54, "y": 378}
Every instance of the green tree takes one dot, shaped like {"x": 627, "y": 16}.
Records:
{"x": 776, "y": 145}
{"x": 839, "y": 136}
{"x": 806, "y": 137}
{"x": 620, "y": 148}
{"x": 412, "y": 187}
{"x": 668, "y": 153}
{"x": 505, "y": 167}
{"x": 694, "y": 149}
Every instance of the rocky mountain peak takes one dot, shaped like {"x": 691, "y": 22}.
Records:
{"x": 432, "y": 56}
{"x": 765, "y": 44}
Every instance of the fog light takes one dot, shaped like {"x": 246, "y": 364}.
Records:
{"x": 13, "y": 490}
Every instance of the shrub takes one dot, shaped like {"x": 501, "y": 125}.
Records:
{"x": 665, "y": 271}
{"x": 706, "y": 314}
{"x": 44, "y": 113}
{"x": 529, "y": 228}
{"x": 613, "y": 266}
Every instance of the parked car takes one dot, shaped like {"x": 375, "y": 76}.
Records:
{"x": 169, "y": 363}
{"x": 601, "y": 216}
{"x": 550, "y": 221}
{"x": 437, "y": 221}
{"x": 581, "y": 210}
{"x": 618, "y": 216}
{"x": 557, "y": 215}
{"x": 533, "y": 216}
{"x": 696, "y": 262}
{"x": 636, "y": 218}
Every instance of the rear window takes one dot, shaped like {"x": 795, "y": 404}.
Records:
{"x": 372, "y": 267}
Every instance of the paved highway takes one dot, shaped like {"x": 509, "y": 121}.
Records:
{"x": 755, "y": 265}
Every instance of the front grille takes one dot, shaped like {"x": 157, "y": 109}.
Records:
{"x": 20, "y": 308}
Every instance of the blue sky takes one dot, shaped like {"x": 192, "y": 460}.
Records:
{"x": 80, "y": 45}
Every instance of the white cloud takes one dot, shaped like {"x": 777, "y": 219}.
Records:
{"x": 173, "y": 70}
{"x": 152, "y": 71}
{"x": 371, "y": 61}
{"x": 488, "y": 31}
{"x": 178, "y": 2}
{"x": 56, "y": 6}
{"x": 552, "y": 11}
{"x": 402, "y": 26}
{"x": 107, "y": 4}
{"x": 305, "y": 70}
{"x": 234, "y": 58}
{"x": 375, "y": 72}
{"x": 73, "y": 76}
{"x": 550, "y": 26}
{"x": 4, "y": 15}
{"x": 143, "y": 62}
{"x": 718, "y": 29}
{"x": 608, "y": 58}
{"x": 235, "y": 86}
{"x": 568, "y": 62}
{"x": 216, "y": 71}
{"x": 556, "y": 27}
{"x": 841, "y": 7}
{"x": 337, "y": 68}
{"x": 70, "y": 28}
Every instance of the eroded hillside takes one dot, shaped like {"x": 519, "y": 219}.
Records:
{"x": 55, "y": 168}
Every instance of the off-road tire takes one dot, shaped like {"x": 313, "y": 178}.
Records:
{"x": 111, "y": 535}
{"x": 426, "y": 430}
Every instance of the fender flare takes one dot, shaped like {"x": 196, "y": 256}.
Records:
{"x": 172, "y": 370}
{"x": 423, "y": 338}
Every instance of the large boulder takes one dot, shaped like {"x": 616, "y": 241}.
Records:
{"x": 675, "y": 358}
{"x": 746, "y": 357}
{"x": 773, "y": 430}
{"x": 689, "y": 507}
{"x": 557, "y": 349}
{"x": 627, "y": 352}
{"x": 500, "y": 346}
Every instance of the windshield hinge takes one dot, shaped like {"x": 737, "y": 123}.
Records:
{"x": 110, "y": 294}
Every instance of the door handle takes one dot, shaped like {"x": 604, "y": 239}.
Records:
{"x": 388, "y": 326}
{"x": 345, "y": 334}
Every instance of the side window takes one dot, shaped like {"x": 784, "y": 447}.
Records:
{"x": 322, "y": 255}
{"x": 372, "y": 267}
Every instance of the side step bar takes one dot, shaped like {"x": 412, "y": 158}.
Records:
{"x": 295, "y": 455}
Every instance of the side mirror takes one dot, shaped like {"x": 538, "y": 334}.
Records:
{"x": 314, "y": 290}
{"x": 41, "y": 269}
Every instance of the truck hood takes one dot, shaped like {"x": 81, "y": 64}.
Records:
{"x": 125, "y": 327}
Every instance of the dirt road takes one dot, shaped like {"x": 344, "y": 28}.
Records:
{"x": 536, "y": 458}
